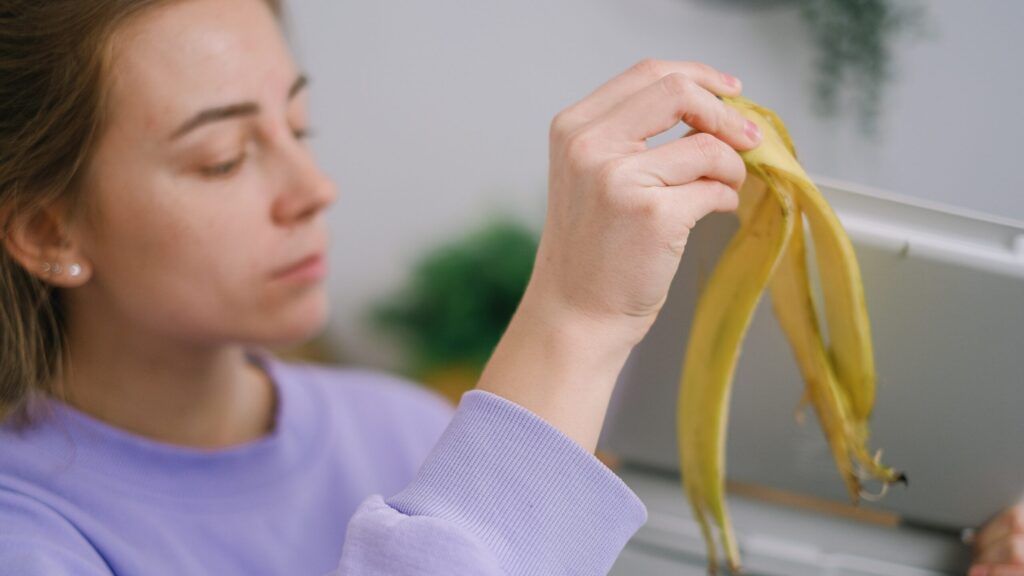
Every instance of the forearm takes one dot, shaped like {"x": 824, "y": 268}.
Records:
{"x": 560, "y": 366}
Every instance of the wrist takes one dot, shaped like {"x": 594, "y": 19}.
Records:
{"x": 559, "y": 364}
{"x": 587, "y": 336}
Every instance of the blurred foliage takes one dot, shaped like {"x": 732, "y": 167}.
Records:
{"x": 854, "y": 41}
{"x": 459, "y": 299}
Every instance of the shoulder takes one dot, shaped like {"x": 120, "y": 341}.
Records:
{"x": 28, "y": 516}
{"x": 384, "y": 391}
{"x": 371, "y": 400}
{"x": 36, "y": 538}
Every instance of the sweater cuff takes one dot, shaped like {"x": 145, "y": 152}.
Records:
{"x": 542, "y": 503}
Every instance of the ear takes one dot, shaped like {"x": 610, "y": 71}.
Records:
{"x": 41, "y": 243}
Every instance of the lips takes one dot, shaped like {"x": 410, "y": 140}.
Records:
{"x": 311, "y": 267}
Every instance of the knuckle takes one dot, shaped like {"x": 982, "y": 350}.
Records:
{"x": 671, "y": 226}
{"x": 701, "y": 70}
{"x": 568, "y": 120}
{"x": 710, "y": 149}
{"x": 706, "y": 113}
{"x": 676, "y": 245}
{"x": 649, "y": 67}
{"x": 560, "y": 124}
{"x": 705, "y": 68}
{"x": 677, "y": 84}
{"x": 613, "y": 173}
{"x": 581, "y": 146}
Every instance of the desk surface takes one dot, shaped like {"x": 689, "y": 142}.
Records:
{"x": 776, "y": 540}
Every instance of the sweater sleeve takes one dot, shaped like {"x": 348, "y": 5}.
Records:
{"x": 503, "y": 493}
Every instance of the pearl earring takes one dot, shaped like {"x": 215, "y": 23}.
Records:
{"x": 74, "y": 269}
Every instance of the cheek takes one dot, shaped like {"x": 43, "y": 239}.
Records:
{"x": 198, "y": 267}
{"x": 171, "y": 259}
{"x": 179, "y": 278}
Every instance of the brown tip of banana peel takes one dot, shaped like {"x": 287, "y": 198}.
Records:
{"x": 900, "y": 478}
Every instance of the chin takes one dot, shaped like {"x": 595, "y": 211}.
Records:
{"x": 298, "y": 322}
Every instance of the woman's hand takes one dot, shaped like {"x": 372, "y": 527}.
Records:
{"x": 999, "y": 546}
{"x": 619, "y": 214}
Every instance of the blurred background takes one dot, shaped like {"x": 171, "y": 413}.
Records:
{"x": 432, "y": 117}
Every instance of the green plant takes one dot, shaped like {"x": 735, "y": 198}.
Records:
{"x": 854, "y": 40}
{"x": 460, "y": 297}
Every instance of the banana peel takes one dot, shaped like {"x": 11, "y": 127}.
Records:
{"x": 769, "y": 252}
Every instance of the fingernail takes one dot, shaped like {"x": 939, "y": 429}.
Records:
{"x": 731, "y": 80}
{"x": 752, "y": 131}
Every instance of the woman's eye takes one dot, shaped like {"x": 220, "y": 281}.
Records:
{"x": 223, "y": 169}
{"x": 302, "y": 133}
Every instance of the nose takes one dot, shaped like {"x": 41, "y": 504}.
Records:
{"x": 306, "y": 190}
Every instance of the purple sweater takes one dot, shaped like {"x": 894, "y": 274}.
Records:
{"x": 364, "y": 474}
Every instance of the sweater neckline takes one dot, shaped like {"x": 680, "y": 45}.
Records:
{"x": 77, "y": 441}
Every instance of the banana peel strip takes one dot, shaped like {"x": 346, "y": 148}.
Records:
{"x": 769, "y": 251}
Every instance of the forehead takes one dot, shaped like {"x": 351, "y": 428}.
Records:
{"x": 173, "y": 60}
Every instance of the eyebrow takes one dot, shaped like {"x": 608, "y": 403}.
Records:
{"x": 230, "y": 111}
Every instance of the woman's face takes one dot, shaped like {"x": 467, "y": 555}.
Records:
{"x": 202, "y": 189}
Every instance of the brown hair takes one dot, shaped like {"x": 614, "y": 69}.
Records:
{"x": 54, "y": 56}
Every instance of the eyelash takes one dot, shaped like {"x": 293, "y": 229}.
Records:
{"x": 228, "y": 168}
{"x": 225, "y": 169}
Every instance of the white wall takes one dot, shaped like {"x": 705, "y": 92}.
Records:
{"x": 431, "y": 114}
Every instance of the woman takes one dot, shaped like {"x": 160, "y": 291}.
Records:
{"x": 163, "y": 223}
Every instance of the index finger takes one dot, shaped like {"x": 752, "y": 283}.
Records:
{"x": 672, "y": 99}
{"x": 643, "y": 74}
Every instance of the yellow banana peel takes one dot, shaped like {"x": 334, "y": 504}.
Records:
{"x": 769, "y": 251}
